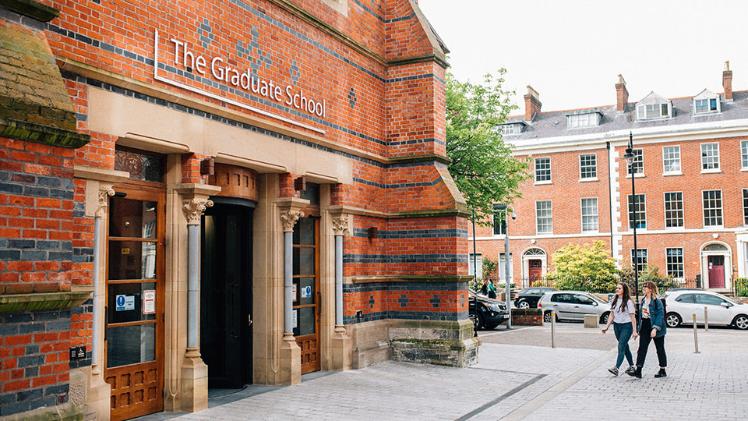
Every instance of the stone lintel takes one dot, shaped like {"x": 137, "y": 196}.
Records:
{"x": 39, "y": 133}
{"x": 100, "y": 174}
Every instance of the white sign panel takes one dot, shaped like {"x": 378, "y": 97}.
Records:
{"x": 295, "y": 319}
{"x": 124, "y": 302}
{"x": 306, "y": 292}
{"x": 149, "y": 301}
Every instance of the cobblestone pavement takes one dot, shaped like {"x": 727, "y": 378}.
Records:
{"x": 515, "y": 380}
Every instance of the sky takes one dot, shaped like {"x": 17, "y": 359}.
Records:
{"x": 571, "y": 51}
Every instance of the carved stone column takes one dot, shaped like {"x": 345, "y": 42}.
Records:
{"x": 290, "y": 353}
{"x": 341, "y": 342}
{"x": 194, "y": 372}
{"x": 105, "y": 192}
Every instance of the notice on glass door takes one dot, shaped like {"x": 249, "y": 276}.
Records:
{"x": 149, "y": 301}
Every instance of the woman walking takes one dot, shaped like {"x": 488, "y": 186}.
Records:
{"x": 623, "y": 318}
{"x": 651, "y": 328}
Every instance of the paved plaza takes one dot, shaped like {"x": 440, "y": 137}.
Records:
{"x": 518, "y": 377}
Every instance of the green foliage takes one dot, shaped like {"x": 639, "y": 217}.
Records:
{"x": 481, "y": 164}
{"x": 650, "y": 273}
{"x": 741, "y": 287}
{"x": 489, "y": 268}
{"x": 586, "y": 268}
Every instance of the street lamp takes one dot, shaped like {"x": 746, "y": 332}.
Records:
{"x": 507, "y": 289}
{"x": 629, "y": 155}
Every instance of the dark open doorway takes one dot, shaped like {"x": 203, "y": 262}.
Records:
{"x": 226, "y": 293}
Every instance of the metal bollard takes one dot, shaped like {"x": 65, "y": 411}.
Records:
{"x": 706, "y": 318}
{"x": 553, "y": 328}
{"x": 695, "y": 336}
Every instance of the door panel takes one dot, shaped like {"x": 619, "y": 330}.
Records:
{"x": 716, "y": 271}
{"x": 535, "y": 270}
{"x": 306, "y": 284}
{"x": 133, "y": 335}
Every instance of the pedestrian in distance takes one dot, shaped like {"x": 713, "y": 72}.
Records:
{"x": 484, "y": 287}
{"x": 651, "y": 328}
{"x": 491, "y": 289}
{"x": 623, "y": 318}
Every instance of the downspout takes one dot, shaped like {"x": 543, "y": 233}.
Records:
{"x": 610, "y": 202}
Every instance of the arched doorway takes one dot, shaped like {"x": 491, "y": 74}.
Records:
{"x": 534, "y": 265}
{"x": 716, "y": 266}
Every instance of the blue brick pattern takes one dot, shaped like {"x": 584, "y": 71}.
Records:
{"x": 403, "y": 300}
{"x": 26, "y": 323}
{"x": 205, "y": 32}
{"x": 371, "y": 301}
{"x": 352, "y": 98}
{"x": 435, "y": 301}
{"x": 35, "y": 250}
{"x": 252, "y": 51}
{"x": 25, "y": 184}
{"x": 398, "y": 185}
{"x": 404, "y": 286}
{"x": 295, "y": 72}
{"x": 405, "y": 258}
{"x": 442, "y": 233}
{"x": 406, "y": 315}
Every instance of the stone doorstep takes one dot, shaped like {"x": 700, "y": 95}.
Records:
{"x": 64, "y": 412}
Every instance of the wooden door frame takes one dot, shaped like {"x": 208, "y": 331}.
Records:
{"x": 143, "y": 191}
{"x": 317, "y": 292}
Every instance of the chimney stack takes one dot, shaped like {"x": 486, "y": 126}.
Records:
{"x": 532, "y": 103}
{"x": 622, "y": 95}
{"x": 727, "y": 82}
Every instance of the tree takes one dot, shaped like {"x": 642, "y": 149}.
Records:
{"x": 586, "y": 268}
{"x": 482, "y": 165}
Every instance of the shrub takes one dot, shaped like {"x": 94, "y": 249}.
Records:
{"x": 741, "y": 287}
{"x": 586, "y": 268}
{"x": 651, "y": 273}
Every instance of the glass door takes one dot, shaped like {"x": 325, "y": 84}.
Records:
{"x": 134, "y": 310}
{"x": 306, "y": 287}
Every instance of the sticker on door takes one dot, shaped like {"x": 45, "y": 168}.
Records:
{"x": 124, "y": 302}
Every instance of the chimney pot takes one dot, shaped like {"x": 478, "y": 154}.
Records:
{"x": 532, "y": 103}
{"x": 727, "y": 82}
{"x": 622, "y": 95}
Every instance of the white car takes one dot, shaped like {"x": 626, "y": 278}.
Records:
{"x": 573, "y": 305}
{"x": 721, "y": 311}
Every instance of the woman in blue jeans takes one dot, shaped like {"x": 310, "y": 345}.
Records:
{"x": 623, "y": 318}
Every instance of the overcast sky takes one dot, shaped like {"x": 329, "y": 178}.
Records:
{"x": 571, "y": 51}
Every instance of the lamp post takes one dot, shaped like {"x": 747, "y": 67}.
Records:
{"x": 475, "y": 255}
{"x": 629, "y": 155}
{"x": 507, "y": 288}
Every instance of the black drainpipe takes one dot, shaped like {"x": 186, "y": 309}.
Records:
{"x": 610, "y": 201}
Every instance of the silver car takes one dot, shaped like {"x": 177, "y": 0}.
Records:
{"x": 573, "y": 305}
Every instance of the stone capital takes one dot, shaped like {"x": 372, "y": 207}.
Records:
{"x": 193, "y": 209}
{"x": 105, "y": 192}
{"x": 289, "y": 217}
{"x": 340, "y": 224}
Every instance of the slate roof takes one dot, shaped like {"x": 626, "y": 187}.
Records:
{"x": 553, "y": 123}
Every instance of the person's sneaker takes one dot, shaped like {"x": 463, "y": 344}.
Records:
{"x": 637, "y": 372}
{"x": 613, "y": 371}
{"x": 630, "y": 371}
{"x": 661, "y": 373}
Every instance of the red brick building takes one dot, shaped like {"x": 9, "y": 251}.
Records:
{"x": 202, "y": 194}
{"x": 691, "y": 158}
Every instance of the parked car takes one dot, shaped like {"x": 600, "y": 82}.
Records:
{"x": 529, "y": 297}
{"x": 573, "y": 305}
{"x": 721, "y": 311}
{"x": 486, "y": 313}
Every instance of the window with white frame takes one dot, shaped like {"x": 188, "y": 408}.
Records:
{"x": 511, "y": 129}
{"x": 589, "y": 215}
{"x": 638, "y": 211}
{"x": 653, "y": 111}
{"x": 498, "y": 219}
{"x": 640, "y": 260}
{"x": 543, "y": 217}
{"x": 745, "y": 206}
{"x": 587, "y": 166}
{"x": 502, "y": 267}
{"x": 578, "y": 121}
{"x": 671, "y": 159}
{"x": 476, "y": 259}
{"x": 674, "y": 209}
{"x": 674, "y": 262}
{"x": 542, "y": 170}
{"x": 637, "y": 163}
{"x": 706, "y": 105}
{"x": 709, "y": 156}
{"x": 712, "y": 202}
{"x": 744, "y": 154}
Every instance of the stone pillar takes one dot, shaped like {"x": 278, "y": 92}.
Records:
{"x": 341, "y": 341}
{"x": 194, "y": 370}
{"x": 290, "y": 353}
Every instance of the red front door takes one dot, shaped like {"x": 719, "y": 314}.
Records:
{"x": 535, "y": 270}
{"x": 716, "y": 271}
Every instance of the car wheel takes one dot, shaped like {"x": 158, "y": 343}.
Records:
{"x": 673, "y": 320}
{"x": 604, "y": 318}
{"x": 523, "y": 304}
{"x": 741, "y": 322}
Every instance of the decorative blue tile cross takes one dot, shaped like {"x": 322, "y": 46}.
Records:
{"x": 295, "y": 72}
{"x": 371, "y": 301}
{"x": 403, "y": 300}
{"x": 352, "y": 98}
{"x": 247, "y": 49}
{"x": 206, "y": 33}
{"x": 435, "y": 301}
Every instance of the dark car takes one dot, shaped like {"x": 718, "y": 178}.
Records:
{"x": 486, "y": 313}
{"x": 529, "y": 297}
